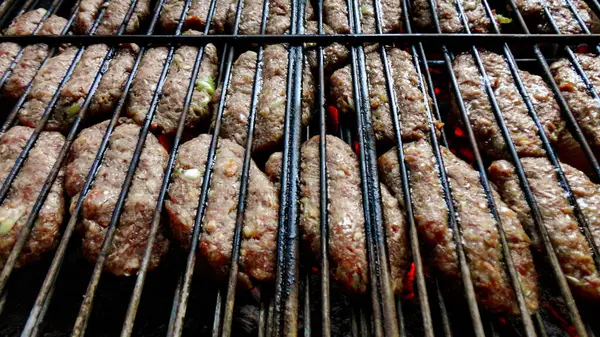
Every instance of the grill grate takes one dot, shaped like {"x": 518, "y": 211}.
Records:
{"x": 280, "y": 311}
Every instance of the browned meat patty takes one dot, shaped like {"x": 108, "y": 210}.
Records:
{"x": 145, "y": 83}
{"x": 25, "y": 189}
{"x": 74, "y": 92}
{"x": 250, "y": 19}
{"x": 450, "y": 21}
{"x": 522, "y": 129}
{"x": 259, "y": 232}
{"x": 23, "y": 24}
{"x": 279, "y": 16}
{"x": 571, "y": 248}
{"x": 566, "y": 22}
{"x": 31, "y": 59}
{"x": 113, "y": 81}
{"x": 88, "y": 10}
{"x": 115, "y": 15}
{"x": 347, "y": 250}
{"x": 584, "y": 107}
{"x": 44, "y": 86}
{"x": 8, "y": 52}
{"x": 175, "y": 88}
{"x": 479, "y": 233}
{"x": 196, "y": 15}
{"x": 412, "y": 109}
{"x": 335, "y": 14}
{"x": 334, "y": 55}
{"x": 129, "y": 243}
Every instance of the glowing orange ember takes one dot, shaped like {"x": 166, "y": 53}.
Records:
{"x": 334, "y": 115}
{"x": 564, "y": 324}
{"x": 165, "y": 141}
{"x": 409, "y": 282}
{"x": 459, "y": 132}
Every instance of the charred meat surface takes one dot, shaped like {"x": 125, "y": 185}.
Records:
{"x": 480, "y": 236}
{"x": 335, "y": 14}
{"x": 411, "y": 106}
{"x": 129, "y": 243}
{"x": 16, "y": 208}
{"x": 523, "y": 131}
{"x": 570, "y": 245}
{"x": 584, "y": 107}
{"x": 564, "y": 20}
{"x": 44, "y": 86}
{"x": 31, "y": 59}
{"x": 449, "y": 18}
{"x": 259, "y": 231}
{"x": 176, "y": 85}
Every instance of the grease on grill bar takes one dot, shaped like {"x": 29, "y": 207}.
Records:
{"x": 170, "y": 94}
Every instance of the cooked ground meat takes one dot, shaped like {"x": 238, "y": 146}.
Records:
{"x": 113, "y": 81}
{"x": 88, "y": 10}
{"x": 571, "y": 248}
{"x": 43, "y": 88}
{"x": 16, "y": 208}
{"x": 347, "y": 250}
{"x": 250, "y": 19}
{"x": 74, "y": 92}
{"x": 8, "y": 52}
{"x": 259, "y": 232}
{"x": 145, "y": 83}
{"x": 23, "y": 24}
{"x": 334, "y": 55}
{"x": 566, "y": 22}
{"x": 584, "y": 107}
{"x": 522, "y": 129}
{"x": 131, "y": 236}
{"x": 31, "y": 59}
{"x": 196, "y": 15}
{"x": 479, "y": 233}
{"x": 450, "y": 21}
{"x": 335, "y": 14}
{"x": 412, "y": 109}
{"x": 176, "y": 85}
{"x": 279, "y": 16}
{"x": 115, "y": 15}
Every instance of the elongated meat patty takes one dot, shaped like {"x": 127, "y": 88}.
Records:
{"x": 565, "y": 21}
{"x": 129, "y": 243}
{"x": 259, "y": 232}
{"x": 347, "y": 250}
{"x": 523, "y": 130}
{"x": 113, "y": 81}
{"x": 479, "y": 233}
{"x": 31, "y": 59}
{"x": 335, "y": 14}
{"x": 24, "y": 191}
{"x": 334, "y": 55}
{"x": 112, "y": 18}
{"x": 176, "y": 85}
{"x": 24, "y": 24}
{"x": 279, "y": 16}
{"x": 44, "y": 86}
{"x": 411, "y": 107}
{"x": 584, "y": 107}
{"x": 448, "y": 15}
{"x": 571, "y": 248}
{"x": 196, "y": 15}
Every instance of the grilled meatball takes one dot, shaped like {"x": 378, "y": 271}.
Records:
{"x": 129, "y": 243}
{"x": 571, "y": 248}
{"x": 523, "y": 130}
{"x": 566, "y": 22}
{"x": 450, "y": 21}
{"x": 412, "y": 109}
{"x": 74, "y": 92}
{"x": 31, "y": 59}
{"x": 259, "y": 232}
{"x": 479, "y": 233}
{"x": 347, "y": 251}
{"x": 16, "y": 208}
{"x": 24, "y": 24}
{"x": 584, "y": 107}
{"x": 335, "y": 14}
{"x": 145, "y": 83}
{"x": 113, "y": 16}
{"x": 176, "y": 86}
{"x": 113, "y": 81}
{"x": 44, "y": 86}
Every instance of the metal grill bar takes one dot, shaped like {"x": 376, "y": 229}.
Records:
{"x": 9, "y": 6}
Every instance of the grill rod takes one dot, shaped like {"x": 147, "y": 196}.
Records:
{"x": 9, "y": 6}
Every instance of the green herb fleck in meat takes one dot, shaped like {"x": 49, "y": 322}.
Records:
{"x": 206, "y": 84}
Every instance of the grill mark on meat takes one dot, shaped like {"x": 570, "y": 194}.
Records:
{"x": 43, "y": 88}
{"x": 23, "y": 24}
{"x": 145, "y": 83}
{"x": 448, "y": 16}
{"x": 479, "y": 233}
{"x": 571, "y": 248}
{"x": 74, "y": 92}
{"x": 24, "y": 191}
{"x": 412, "y": 109}
{"x": 259, "y": 232}
{"x": 174, "y": 90}
{"x": 129, "y": 244}
{"x": 115, "y": 15}
{"x": 113, "y": 81}
{"x": 335, "y": 14}
{"x": 585, "y": 108}
{"x": 522, "y": 129}
{"x": 31, "y": 59}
